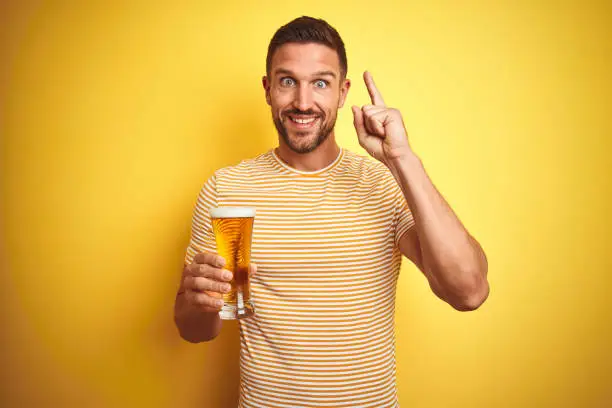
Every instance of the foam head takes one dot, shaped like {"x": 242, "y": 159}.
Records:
{"x": 232, "y": 212}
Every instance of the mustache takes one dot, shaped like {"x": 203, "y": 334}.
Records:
{"x": 309, "y": 112}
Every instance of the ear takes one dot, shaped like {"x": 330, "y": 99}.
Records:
{"x": 344, "y": 88}
{"x": 266, "y": 84}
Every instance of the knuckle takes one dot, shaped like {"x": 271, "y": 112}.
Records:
{"x": 200, "y": 298}
{"x": 195, "y": 284}
{"x": 199, "y": 283}
{"x": 199, "y": 269}
{"x": 211, "y": 259}
{"x": 203, "y": 284}
{"x": 212, "y": 272}
{"x": 188, "y": 269}
{"x": 203, "y": 257}
{"x": 206, "y": 271}
{"x": 212, "y": 302}
{"x": 202, "y": 269}
{"x": 213, "y": 286}
{"x": 191, "y": 269}
{"x": 219, "y": 287}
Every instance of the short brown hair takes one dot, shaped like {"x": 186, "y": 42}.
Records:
{"x": 308, "y": 30}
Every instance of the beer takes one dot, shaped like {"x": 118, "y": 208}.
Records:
{"x": 233, "y": 228}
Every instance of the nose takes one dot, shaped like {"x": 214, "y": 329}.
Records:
{"x": 303, "y": 99}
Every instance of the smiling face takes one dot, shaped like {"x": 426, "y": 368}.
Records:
{"x": 305, "y": 89}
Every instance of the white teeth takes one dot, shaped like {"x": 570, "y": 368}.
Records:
{"x": 303, "y": 121}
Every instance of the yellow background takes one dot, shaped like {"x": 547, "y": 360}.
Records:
{"x": 112, "y": 116}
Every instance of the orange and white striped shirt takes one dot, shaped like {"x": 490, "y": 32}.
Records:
{"x": 325, "y": 245}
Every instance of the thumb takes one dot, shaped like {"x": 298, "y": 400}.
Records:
{"x": 358, "y": 121}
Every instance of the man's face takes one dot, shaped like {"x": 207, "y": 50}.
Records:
{"x": 305, "y": 91}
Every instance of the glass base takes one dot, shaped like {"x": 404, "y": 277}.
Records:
{"x": 230, "y": 311}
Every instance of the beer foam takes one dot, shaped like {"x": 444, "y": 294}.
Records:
{"x": 232, "y": 212}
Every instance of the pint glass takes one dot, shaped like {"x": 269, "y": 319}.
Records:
{"x": 233, "y": 229}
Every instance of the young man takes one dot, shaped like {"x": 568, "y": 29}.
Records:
{"x": 330, "y": 231}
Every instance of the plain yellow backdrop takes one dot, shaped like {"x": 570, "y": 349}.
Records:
{"x": 113, "y": 114}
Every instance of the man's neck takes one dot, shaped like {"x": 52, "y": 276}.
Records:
{"x": 318, "y": 159}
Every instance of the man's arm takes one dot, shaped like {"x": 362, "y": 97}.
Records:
{"x": 197, "y": 300}
{"x": 452, "y": 260}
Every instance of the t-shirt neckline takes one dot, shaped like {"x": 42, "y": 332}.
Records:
{"x": 308, "y": 173}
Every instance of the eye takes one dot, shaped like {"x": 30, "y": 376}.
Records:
{"x": 320, "y": 83}
{"x": 287, "y": 81}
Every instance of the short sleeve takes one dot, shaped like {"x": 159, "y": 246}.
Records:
{"x": 403, "y": 216}
{"x": 202, "y": 238}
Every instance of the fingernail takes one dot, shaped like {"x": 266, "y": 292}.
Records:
{"x": 220, "y": 262}
{"x": 220, "y": 303}
{"x": 227, "y": 288}
{"x": 227, "y": 275}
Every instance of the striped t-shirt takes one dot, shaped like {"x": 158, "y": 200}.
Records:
{"x": 326, "y": 248}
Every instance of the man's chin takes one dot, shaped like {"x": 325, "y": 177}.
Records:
{"x": 304, "y": 133}
{"x": 303, "y": 141}
{"x": 302, "y": 138}
{"x": 302, "y": 148}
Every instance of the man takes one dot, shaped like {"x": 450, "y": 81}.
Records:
{"x": 330, "y": 231}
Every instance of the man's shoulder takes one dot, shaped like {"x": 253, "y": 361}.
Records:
{"x": 365, "y": 167}
{"x": 247, "y": 167}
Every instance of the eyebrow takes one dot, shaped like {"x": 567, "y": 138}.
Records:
{"x": 318, "y": 73}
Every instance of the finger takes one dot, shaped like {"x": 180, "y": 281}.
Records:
{"x": 375, "y": 94}
{"x": 382, "y": 116}
{"x": 373, "y": 120}
{"x": 369, "y": 124}
{"x": 373, "y": 109}
{"x": 201, "y": 284}
{"x": 210, "y": 259}
{"x": 204, "y": 300}
{"x": 358, "y": 122}
{"x": 252, "y": 269}
{"x": 374, "y": 126}
{"x": 372, "y": 114}
{"x": 210, "y": 272}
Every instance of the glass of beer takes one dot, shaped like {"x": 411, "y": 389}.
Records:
{"x": 233, "y": 229}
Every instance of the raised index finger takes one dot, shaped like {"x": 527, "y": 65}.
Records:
{"x": 375, "y": 95}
